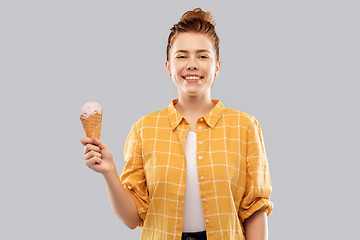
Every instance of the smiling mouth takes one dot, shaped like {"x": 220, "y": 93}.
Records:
{"x": 192, "y": 78}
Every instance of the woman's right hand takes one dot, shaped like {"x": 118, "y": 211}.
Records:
{"x": 97, "y": 155}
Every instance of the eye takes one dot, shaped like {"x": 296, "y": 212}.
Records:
{"x": 180, "y": 57}
{"x": 204, "y": 56}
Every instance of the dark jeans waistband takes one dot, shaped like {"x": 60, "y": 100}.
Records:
{"x": 194, "y": 235}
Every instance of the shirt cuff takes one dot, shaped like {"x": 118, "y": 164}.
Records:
{"x": 262, "y": 204}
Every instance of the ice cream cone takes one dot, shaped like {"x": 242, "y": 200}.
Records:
{"x": 92, "y": 125}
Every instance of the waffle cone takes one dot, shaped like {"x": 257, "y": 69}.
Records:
{"x": 92, "y": 125}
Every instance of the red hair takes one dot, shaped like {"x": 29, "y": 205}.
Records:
{"x": 196, "y": 21}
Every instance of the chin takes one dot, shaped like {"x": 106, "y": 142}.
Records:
{"x": 192, "y": 93}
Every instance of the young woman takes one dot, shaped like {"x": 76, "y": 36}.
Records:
{"x": 196, "y": 169}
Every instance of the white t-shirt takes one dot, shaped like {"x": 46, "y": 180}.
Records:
{"x": 193, "y": 212}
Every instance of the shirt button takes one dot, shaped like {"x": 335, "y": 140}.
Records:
{"x": 204, "y": 199}
{"x": 202, "y": 178}
{"x": 201, "y": 119}
{"x": 200, "y": 157}
{"x": 207, "y": 220}
{"x": 200, "y": 142}
{"x": 200, "y": 127}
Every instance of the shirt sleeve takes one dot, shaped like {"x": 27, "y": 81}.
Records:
{"x": 258, "y": 182}
{"x": 133, "y": 177}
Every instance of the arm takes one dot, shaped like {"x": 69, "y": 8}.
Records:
{"x": 121, "y": 201}
{"x": 256, "y": 226}
{"x": 99, "y": 158}
{"x": 255, "y": 205}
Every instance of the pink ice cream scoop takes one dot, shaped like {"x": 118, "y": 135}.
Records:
{"x": 91, "y": 119}
{"x": 91, "y": 108}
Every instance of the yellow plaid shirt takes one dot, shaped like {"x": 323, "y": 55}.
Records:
{"x": 234, "y": 178}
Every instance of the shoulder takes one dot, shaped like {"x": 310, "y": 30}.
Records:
{"x": 151, "y": 119}
{"x": 243, "y": 118}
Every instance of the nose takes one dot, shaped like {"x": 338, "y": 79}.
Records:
{"x": 192, "y": 64}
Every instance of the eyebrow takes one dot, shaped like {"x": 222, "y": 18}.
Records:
{"x": 186, "y": 51}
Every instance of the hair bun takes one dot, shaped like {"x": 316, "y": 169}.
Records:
{"x": 198, "y": 13}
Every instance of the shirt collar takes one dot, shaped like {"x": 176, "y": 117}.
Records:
{"x": 211, "y": 118}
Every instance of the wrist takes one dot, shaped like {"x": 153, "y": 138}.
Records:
{"x": 111, "y": 173}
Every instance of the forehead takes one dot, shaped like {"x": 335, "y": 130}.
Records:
{"x": 191, "y": 42}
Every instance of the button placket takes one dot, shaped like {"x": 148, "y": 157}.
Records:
{"x": 202, "y": 147}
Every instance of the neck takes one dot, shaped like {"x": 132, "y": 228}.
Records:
{"x": 194, "y": 105}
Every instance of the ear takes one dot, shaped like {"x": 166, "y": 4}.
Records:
{"x": 167, "y": 67}
{"x": 217, "y": 68}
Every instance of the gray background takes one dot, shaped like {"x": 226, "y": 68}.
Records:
{"x": 294, "y": 65}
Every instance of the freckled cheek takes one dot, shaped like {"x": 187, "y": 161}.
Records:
{"x": 177, "y": 73}
{"x": 178, "y": 78}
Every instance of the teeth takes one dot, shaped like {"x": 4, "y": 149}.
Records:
{"x": 192, "y": 78}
